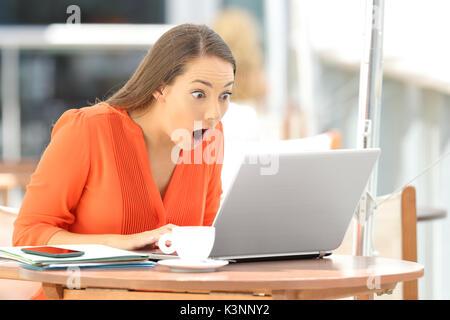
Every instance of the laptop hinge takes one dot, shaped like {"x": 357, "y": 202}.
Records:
{"x": 321, "y": 254}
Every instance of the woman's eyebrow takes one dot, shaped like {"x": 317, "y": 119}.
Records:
{"x": 206, "y": 83}
{"x": 229, "y": 84}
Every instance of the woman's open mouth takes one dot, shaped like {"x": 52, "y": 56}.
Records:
{"x": 198, "y": 135}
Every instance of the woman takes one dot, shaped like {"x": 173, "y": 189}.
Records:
{"x": 116, "y": 173}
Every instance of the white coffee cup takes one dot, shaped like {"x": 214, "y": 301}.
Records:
{"x": 190, "y": 243}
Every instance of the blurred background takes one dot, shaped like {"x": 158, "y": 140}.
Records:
{"x": 298, "y": 78}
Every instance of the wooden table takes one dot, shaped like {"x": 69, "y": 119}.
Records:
{"x": 336, "y": 276}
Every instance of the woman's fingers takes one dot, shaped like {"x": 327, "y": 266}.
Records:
{"x": 168, "y": 227}
{"x": 144, "y": 241}
{"x": 163, "y": 230}
{"x": 151, "y": 238}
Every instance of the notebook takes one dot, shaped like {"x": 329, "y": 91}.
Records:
{"x": 109, "y": 265}
{"x": 95, "y": 256}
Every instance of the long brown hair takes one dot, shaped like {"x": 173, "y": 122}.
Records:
{"x": 166, "y": 60}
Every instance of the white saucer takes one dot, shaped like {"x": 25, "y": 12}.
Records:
{"x": 179, "y": 265}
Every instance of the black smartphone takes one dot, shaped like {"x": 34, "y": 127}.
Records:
{"x": 53, "y": 252}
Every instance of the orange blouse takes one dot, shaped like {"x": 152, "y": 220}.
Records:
{"x": 95, "y": 178}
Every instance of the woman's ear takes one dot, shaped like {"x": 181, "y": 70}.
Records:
{"x": 158, "y": 94}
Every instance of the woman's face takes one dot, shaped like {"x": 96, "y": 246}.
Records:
{"x": 197, "y": 100}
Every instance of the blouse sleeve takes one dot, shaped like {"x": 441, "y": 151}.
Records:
{"x": 57, "y": 183}
{"x": 215, "y": 184}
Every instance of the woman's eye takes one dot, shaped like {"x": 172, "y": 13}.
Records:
{"x": 198, "y": 94}
{"x": 226, "y": 95}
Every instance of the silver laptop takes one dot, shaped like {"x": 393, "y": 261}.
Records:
{"x": 300, "y": 208}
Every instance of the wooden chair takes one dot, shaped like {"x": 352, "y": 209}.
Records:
{"x": 13, "y": 289}
{"x": 395, "y": 236}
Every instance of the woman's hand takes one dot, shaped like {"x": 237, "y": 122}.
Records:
{"x": 140, "y": 240}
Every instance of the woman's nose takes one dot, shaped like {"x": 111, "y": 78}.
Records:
{"x": 214, "y": 113}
